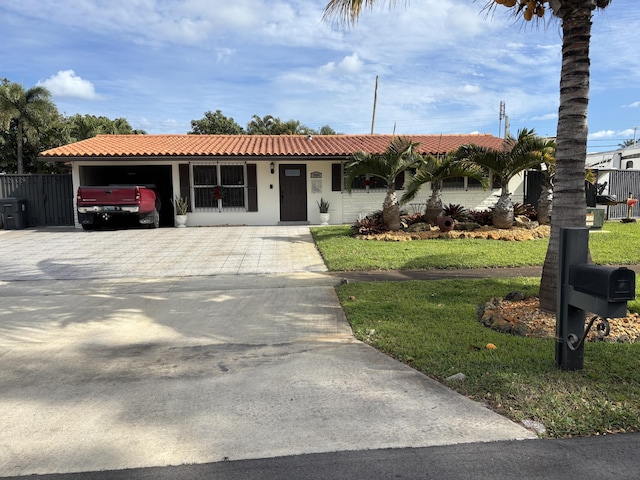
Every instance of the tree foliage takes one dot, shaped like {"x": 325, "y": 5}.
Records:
{"x": 25, "y": 113}
{"x": 215, "y": 123}
{"x": 86, "y": 126}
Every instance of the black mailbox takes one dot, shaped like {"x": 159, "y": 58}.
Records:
{"x": 582, "y": 288}
{"x": 612, "y": 284}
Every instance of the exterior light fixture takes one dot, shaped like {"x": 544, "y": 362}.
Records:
{"x": 273, "y": 167}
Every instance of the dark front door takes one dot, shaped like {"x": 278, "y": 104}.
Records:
{"x": 293, "y": 193}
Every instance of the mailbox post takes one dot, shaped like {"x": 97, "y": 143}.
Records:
{"x": 584, "y": 287}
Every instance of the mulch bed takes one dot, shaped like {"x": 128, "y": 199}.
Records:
{"x": 523, "y": 317}
{"x": 485, "y": 232}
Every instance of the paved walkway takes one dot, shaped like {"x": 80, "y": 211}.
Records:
{"x": 197, "y": 351}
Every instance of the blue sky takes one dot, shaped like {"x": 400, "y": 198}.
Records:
{"x": 444, "y": 66}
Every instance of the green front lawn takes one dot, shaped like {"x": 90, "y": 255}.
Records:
{"x": 433, "y": 326}
{"x": 616, "y": 243}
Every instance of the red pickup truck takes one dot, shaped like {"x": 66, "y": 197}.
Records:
{"x": 98, "y": 206}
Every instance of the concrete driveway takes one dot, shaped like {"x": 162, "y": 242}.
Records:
{"x": 136, "y": 348}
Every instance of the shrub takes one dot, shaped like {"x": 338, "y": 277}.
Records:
{"x": 481, "y": 217}
{"x": 368, "y": 225}
{"x": 525, "y": 209}
{"x": 455, "y": 211}
{"x": 410, "y": 219}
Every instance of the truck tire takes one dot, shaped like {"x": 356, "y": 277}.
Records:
{"x": 88, "y": 221}
{"x": 156, "y": 219}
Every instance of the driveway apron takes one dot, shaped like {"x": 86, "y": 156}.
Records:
{"x": 136, "y": 348}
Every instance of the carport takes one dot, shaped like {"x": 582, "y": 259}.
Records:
{"x": 158, "y": 175}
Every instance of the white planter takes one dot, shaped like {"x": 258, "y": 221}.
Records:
{"x": 324, "y": 218}
{"x": 181, "y": 221}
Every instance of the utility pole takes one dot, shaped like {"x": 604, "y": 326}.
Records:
{"x": 634, "y": 135}
{"x": 502, "y": 115}
{"x": 506, "y": 126}
{"x": 375, "y": 100}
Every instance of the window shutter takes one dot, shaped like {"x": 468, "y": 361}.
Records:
{"x": 185, "y": 182}
{"x": 336, "y": 177}
{"x": 252, "y": 188}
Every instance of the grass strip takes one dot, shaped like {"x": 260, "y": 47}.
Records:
{"x": 615, "y": 244}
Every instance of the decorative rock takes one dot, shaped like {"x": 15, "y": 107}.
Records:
{"x": 467, "y": 226}
{"x": 520, "y": 328}
{"x": 515, "y": 296}
{"x": 458, "y": 377}
{"x": 534, "y": 425}
{"x": 501, "y": 324}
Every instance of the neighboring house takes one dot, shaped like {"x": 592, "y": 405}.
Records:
{"x": 618, "y": 175}
{"x": 259, "y": 179}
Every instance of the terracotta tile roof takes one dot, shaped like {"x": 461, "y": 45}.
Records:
{"x": 124, "y": 146}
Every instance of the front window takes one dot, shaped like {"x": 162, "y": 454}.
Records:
{"x": 368, "y": 182}
{"x": 219, "y": 186}
{"x": 461, "y": 183}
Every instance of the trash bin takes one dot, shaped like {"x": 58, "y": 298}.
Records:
{"x": 14, "y": 213}
{"x": 595, "y": 218}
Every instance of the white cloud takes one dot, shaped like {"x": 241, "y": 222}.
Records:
{"x": 349, "y": 65}
{"x": 632, "y": 105}
{"x": 602, "y": 134}
{"x": 66, "y": 84}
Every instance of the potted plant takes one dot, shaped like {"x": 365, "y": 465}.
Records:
{"x": 323, "y": 206}
{"x": 182, "y": 206}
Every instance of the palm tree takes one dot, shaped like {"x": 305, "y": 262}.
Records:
{"x": 399, "y": 156}
{"x": 517, "y": 155}
{"x": 548, "y": 170}
{"x": 435, "y": 170}
{"x": 261, "y": 126}
{"x": 571, "y": 136}
{"x": 25, "y": 110}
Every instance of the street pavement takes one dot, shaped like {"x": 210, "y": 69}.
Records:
{"x": 224, "y": 353}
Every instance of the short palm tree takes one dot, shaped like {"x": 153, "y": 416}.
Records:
{"x": 25, "y": 109}
{"x": 548, "y": 169}
{"x": 517, "y": 154}
{"x": 399, "y": 156}
{"x": 435, "y": 170}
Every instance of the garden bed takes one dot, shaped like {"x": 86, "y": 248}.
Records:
{"x": 485, "y": 232}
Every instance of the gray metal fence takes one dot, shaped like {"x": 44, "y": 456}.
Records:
{"x": 621, "y": 183}
{"x": 49, "y": 197}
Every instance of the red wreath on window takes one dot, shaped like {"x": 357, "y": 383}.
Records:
{"x": 367, "y": 183}
{"x": 217, "y": 193}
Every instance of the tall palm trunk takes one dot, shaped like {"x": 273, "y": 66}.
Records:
{"x": 20, "y": 162}
{"x": 569, "y": 205}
